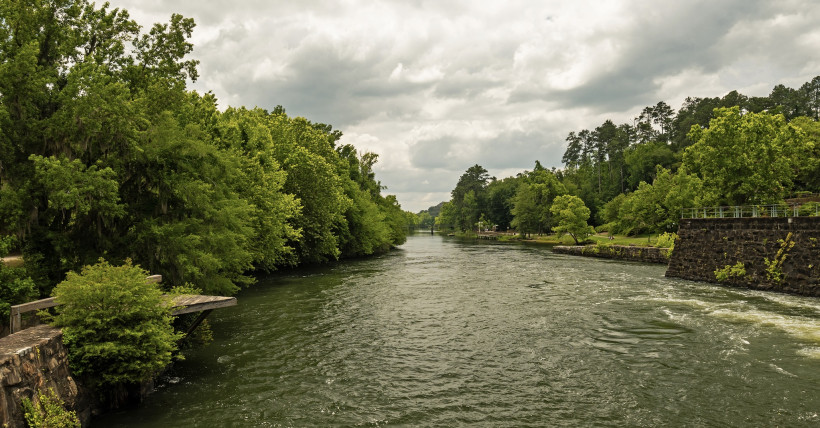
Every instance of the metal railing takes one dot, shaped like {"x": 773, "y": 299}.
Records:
{"x": 779, "y": 210}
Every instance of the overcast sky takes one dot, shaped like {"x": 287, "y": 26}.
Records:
{"x": 437, "y": 86}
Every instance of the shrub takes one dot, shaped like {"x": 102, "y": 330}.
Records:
{"x": 666, "y": 240}
{"x": 117, "y": 327}
{"x": 49, "y": 412}
{"x": 809, "y": 209}
{"x": 728, "y": 271}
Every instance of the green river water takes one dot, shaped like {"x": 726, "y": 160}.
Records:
{"x": 446, "y": 332}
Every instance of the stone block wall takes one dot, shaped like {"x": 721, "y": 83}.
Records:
{"x": 778, "y": 254}
{"x": 618, "y": 252}
{"x": 31, "y": 360}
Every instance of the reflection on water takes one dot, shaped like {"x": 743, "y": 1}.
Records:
{"x": 446, "y": 332}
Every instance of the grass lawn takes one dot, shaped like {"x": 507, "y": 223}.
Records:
{"x": 640, "y": 240}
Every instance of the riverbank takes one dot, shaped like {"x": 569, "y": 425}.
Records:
{"x": 618, "y": 252}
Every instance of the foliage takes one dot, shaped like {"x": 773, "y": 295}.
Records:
{"x": 48, "y": 411}
{"x": 532, "y": 201}
{"x": 105, "y": 153}
{"x": 809, "y": 209}
{"x": 806, "y": 161}
{"x": 16, "y": 286}
{"x": 728, "y": 155}
{"x": 729, "y": 271}
{"x": 116, "y": 326}
{"x": 469, "y": 197}
{"x": 499, "y": 201}
{"x": 667, "y": 240}
{"x": 572, "y": 216}
{"x": 447, "y": 218}
{"x": 774, "y": 267}
{"x": 657, "y": 207}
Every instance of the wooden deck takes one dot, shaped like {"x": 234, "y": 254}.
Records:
{"x": 188, "y": 303}
{"x": 182, "y": 304}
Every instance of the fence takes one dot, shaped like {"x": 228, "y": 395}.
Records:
{"x": 780, "y": 210}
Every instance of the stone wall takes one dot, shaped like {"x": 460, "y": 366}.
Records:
{"x": 35, "y": 359}
{"x": 777, "y": 254}
{"x": 618, "y": 252}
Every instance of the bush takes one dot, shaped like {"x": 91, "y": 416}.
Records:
{"x": 729, "y": 271}
{"x": 49, "y": 412}
{"x": 666, "y": 240}
{"x": 117, "y": 327}
{"x": 809, "y": 209}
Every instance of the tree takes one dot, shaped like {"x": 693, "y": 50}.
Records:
{"x": 642, "y": 159}
{"x": 746, "y": 159}
{"x": 526, "y": 210}
{"x": 810, "y": 92}
{"x": 807, "y": 156}
{"x": 116, "y": 326}
{"x": 499, "y": 204}
{"x": 447, "y": 218}
{"x": 572, "y": 216}
{"x": 469, "y": 210}
{"x": 532, "y": 201}
{"x": 657, "y": 207}
{"x": 694, "y": 112}
{"x": 425, "y": 221}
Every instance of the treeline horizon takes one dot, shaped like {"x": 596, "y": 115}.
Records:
{"x": 637, "y": 177}
{"x": 106, "y": 154}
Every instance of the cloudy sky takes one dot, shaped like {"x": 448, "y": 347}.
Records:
{"x": 436, "y": 86}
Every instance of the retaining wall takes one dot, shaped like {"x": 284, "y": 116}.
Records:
{"x": 35, "y": 359}
{"x": 778, "y": 254}
{"x": 618, "y": 252}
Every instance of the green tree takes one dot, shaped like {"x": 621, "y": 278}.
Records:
{"x": 657, "y": 207}
{"x": 532, "y": 201}
{"x": 571, "y": 215}
{"x": 642, "y": 161}
{"x": 807, "y": 155}
{"x": 425, "y": 221}
{"x": 468, "y": 210}
{"x": 448, "y": 218}
{"x": 499, "y": 203}
{"x": 729, "y": 154}
{"x": 116, "y": 326}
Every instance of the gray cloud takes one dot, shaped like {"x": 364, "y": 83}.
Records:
{"x": 435, "y": 87}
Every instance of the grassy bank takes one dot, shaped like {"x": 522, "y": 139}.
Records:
{"x": 553, "y": 239}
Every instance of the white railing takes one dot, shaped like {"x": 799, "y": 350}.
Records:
{"x": 779, "y": 210}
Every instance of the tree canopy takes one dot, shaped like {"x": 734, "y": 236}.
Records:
{"x": 638, "y": 177}
{"x": 105, "y": 152}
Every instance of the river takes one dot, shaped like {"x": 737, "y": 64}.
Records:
{"x": 448, "y": 332}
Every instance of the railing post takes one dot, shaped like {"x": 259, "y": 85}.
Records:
{"x": 16, "y": 321}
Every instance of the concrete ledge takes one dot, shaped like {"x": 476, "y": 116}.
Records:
{"x": 618, "y": 252}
